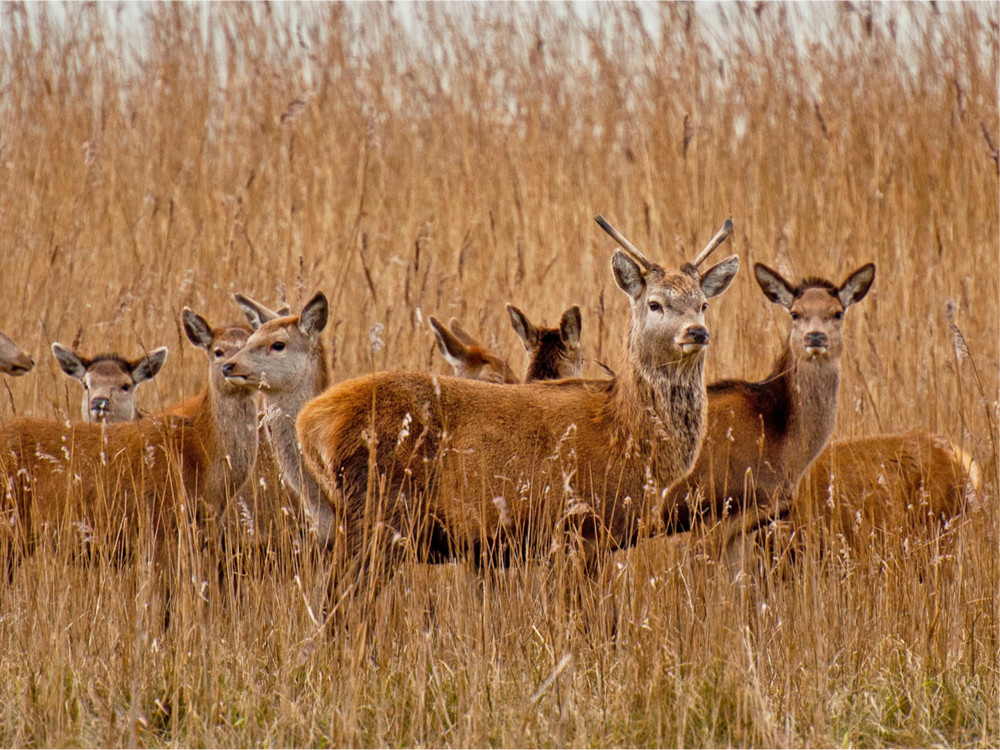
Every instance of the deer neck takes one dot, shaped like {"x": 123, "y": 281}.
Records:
{"x": 280, "y": 409}
{"x": 809, "y": 388}
{"x": 228, "y": 426}
{"x": 663, "y": 413}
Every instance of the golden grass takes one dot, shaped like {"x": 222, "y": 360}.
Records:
{"x": 407, "y": 167}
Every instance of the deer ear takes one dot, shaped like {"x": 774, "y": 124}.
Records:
{"x": 453, "y": 349}
{"x": 856, "y": 286}
{"x": 717, "y": 279}
{"x": 461, "y": 334}
{"x": 198, "y": 331}
{"x": 522, "y": 327}
{"x": 569, "y": 326}
{"x": 69, "y": 361}
{"x": 628, "y": 275}
{"x": 256, "y": 313}
{"x": 313, "y": 317}
{"x": 147, "y": 367}
{"x": 774, "y": 287}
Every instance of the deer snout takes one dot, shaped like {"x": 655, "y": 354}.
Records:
{"x": 816, "y": 342}
{"x": 694, "y": 339}
{"x": 22, "y": 365}
{"x": 99, "y": 407}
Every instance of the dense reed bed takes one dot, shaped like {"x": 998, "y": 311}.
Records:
{"x": 427, "y": 159}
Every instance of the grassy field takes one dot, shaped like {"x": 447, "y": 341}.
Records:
{"x": 440, "y": 160}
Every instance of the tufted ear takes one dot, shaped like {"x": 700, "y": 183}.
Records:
{"x": 775, "y": 288}
{"x": 856, "y": 286}
{"x": 314, "y": 315}
{"x": 146, "y": 367}
{"x": 69, "y": 361}
{"x": 628, "y": 275}
{"x": 717, "y": 279}
{"x": 523, "y": 327}
{"x": 569, "y": 326}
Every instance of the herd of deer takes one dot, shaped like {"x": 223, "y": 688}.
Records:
{"x": 398, "y": 465}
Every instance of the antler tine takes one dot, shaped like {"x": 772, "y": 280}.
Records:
{"x": 620, "y": 239}
{"x": 717, "y": 240}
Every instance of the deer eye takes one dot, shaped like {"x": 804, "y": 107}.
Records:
{"x": 704, "y": 306}
{"x": 278, "y": 346}
{"x": 655, "y": 306}
{"x": 125, "y": 388}
{"x": 219, "y": 353}
{"x": 795, "y": 316}
{"x": 838, "y": 315}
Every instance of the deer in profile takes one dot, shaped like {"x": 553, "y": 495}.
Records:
{"x": 13, "y": 360}
{"x": 104, "y": 476}
{"x": 468, "y": 357}
{"x": 904, "y": 484}
{"x": 553, "y": 353}
{"x": 763, "y": 435}
{"x": 109, "y": 381}
{"x": 447, "y": 466}
{"x": 285, "y": 361}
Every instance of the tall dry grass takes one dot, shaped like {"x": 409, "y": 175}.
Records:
{"x": 432, "y": 159}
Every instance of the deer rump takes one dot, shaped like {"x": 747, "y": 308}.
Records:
{"x": 483, "y": 488}
{"x": 110, "y": 482}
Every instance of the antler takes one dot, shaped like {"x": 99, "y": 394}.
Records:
{"x": 620, "y": 239}
{"x": 717, "y": 240}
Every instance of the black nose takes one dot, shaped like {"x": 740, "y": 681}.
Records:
{"x": 99, "y": 404}
{"x": 815, "y": 339}
{"x": 227, "y": 368}
{"x": 698, "y": 334}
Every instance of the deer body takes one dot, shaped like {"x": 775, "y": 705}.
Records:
{"x": 13, "y": 359}
{"x": 762, "y": 436}
{"x": 897, "y": 483}
{"x": 109, "y": 381}
{"x": 456, "y": 465}
{"x": 97, "y": 474}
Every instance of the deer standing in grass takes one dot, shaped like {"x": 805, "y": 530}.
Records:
{"x": 109, "y": 381}
{"x": 285, "y": 360}
{"x": 553, "y": 353}
{"x": 13, "y": 359}
{"x": 109, "y": 476}
{"x": 445, "y": 466}
{"x": 468, "y": 357}
{"x": 762, "y": 436}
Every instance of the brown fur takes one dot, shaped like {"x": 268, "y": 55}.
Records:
{"x": 13, "y": 359}
{"x": 114, "y": 478}
{"x": 452, "y": 466}
{"x": 109, "y": 381}
{"x": 553, "y": 353}
{"x": 468, "y": 357}
{"x": 762, "y": 436}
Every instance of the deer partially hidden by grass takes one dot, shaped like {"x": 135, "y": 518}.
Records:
{"x": 118, "y": 481}
{"x": 109, "y": 381}
{"x": 553, "y": 353}
{"x": 906, "y": 485}
{"x": 444, "y": 466}
{"x": 13, "y": 359}
{"x": 762, "y": 436}
{"x": 467, "y": 355}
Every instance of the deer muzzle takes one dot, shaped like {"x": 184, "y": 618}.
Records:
{"x": 816, "y": 343}
{"x": 694, "y": 339}
{"x": 99, "y": 408}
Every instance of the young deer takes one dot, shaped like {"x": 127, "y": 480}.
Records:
{"x": 285, "y": 360}
{"x": 104, "y": 476}
{"x": 13, "y": 359}
{"x": 448, "y": 466}
{"x": 762, "y": 436}
{"x": 109, "y": 381}
{"x": 468, "y": 357}
{"x": 909, "y": 482}
{"x": 553, "y": 353}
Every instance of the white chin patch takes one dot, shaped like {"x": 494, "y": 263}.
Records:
{"x": 814, "y": 351}
{"x": 691, "y": 348}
